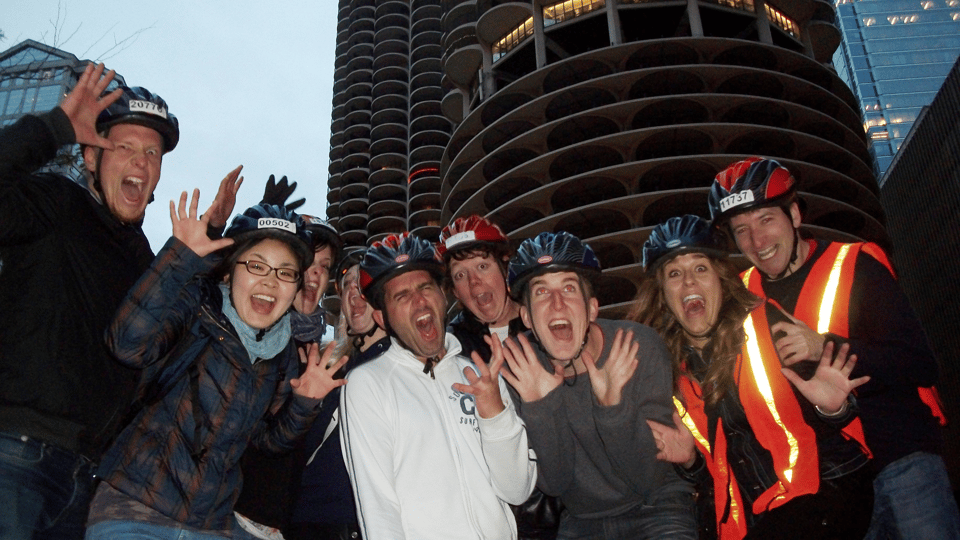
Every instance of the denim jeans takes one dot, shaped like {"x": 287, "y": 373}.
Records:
{"x": 670, "y": 517}
{"x": 45, "y": 491}
{"x": 132, "y": 530}
{"x": 913, "y": 499}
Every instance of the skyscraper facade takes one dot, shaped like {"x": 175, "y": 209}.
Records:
{"x": 33, "y": 79}
{"x": 895, "y": 55}
{"x": 387, "y": 131}
{"x": 605, "y": 117}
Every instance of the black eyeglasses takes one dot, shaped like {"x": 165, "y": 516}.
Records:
{"x": 258, "y": 268}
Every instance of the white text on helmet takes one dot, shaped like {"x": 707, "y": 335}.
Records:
{"x": 736, "y": 199}
{"x": 275, "y": 223}
{"x": 137, "y": 105}
{"x": 459, "y": 238}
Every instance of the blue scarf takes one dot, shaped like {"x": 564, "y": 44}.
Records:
{"x": 270, "y": 344}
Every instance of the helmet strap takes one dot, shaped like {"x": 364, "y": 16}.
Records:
{"x": 793, "y": 256}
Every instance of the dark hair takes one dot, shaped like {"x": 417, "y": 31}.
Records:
{"x": 726, "y": 340}
{"x": 497, "y": 252}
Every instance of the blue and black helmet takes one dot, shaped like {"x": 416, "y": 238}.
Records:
{"x": 272, "y": 221}
{"x": 395, "y": 255}
{"x": 139, "y": 106}
{"x": 547, "y": 253}
{"x": 683, "y": 234}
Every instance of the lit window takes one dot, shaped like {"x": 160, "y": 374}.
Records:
{"x": 869, "y": 21}
{"x": 512, "y": 39}
{"x": 782, "y": 21}
{"x": 570, "y": 9}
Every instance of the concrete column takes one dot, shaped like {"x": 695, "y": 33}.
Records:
{"x": 763, "y": 23}
{"x": 613, "y": 22}
{"x": 539, "y": 38}
{"x": 693, "y": 14}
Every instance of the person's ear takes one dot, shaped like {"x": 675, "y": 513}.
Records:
{"x": 90, "y": 155}
{"x": 593, "y": 309}
{"x": 378, "y": 318}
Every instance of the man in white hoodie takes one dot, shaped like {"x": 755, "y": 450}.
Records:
{"x": 432, "y": 442}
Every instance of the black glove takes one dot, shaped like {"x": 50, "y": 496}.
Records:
{"x": 278, "y": 192}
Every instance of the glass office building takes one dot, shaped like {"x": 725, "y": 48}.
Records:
{"x": 33, "y": 79}
{"x": 895, "y": 55}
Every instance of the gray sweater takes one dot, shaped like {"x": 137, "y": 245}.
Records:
{"x": 601, "y": 461}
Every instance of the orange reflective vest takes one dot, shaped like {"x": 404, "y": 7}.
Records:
{"x": 824, "y": 303}
{"x": 775, "y": 418}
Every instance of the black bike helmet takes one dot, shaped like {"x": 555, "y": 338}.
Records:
{"x": 550, "y": 252}
{"x": 684, "y": 234}
{"x": 323, "y": 234}
{"x": 272, "y": 221}
{"x": 395, "y": 255}
{"x": 139, "y": 106}
{"x": 749, "y": 184}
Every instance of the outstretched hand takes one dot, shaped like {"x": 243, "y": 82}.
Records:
{"x": 674, "y": 444}
{"x": 800, "y": 342}
{"x": 485, "y": 388}
{"x": 192, "y": 230}
{"x": 226, "y": 199}
{"x": 317, "y": 381}
{"x": 830, "y": 385}
{"x": 278, "y": 192}
{"x": 526, "y": 374}
{"x": 85, "y": 103}
{"x": 608, "y": 381}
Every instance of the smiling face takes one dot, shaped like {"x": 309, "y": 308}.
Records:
{"x": 558, "y": 313}
{"x": 356, "y": 310}
{"x": 315, "y": 279}
{"x": 692, "y": 291}
{"x": 262, "y": 300}
{"x": 766, "y": 237}
{"x": 129, "y": 173}
{"x": 415, "y": 306}
{"x": 479, "y": 285}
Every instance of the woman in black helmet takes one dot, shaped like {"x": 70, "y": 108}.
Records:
{"x": 212, "y": 335}
{"x": 770, "y": 438}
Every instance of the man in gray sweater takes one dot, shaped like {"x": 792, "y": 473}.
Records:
{"x": 587, "y": 387}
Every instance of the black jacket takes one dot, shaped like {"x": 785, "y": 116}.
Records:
{"x": 67, "y": 263}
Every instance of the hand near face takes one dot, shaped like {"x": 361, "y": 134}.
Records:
{"x": 485, "y": 388}
{"x": 800, "y": 342}
{"x": 317, "y": 381}
{"x": 608, "y": 381}
{"x": 674, "y": 444}
{"x": 226, "y": 199}
{"x": 191, "y": 230}
{"x": 831, "y": 384}
{"x": 526, "y": 374}
{"x": 83, "y": 104}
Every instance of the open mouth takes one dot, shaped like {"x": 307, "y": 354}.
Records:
{"x": 561, "y": 329}
{"x": 765, "y": 254}
{"x": 693, "y": 305}
{"x": 132, "y": 188}
{"x": 262, "y": 303}
{"x": 483, "y": 299}
{"x": 426, "y": 326}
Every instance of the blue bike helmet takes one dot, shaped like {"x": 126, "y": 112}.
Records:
{"x": 395, "y": 255}
{"x": 272, "y": 221}
{"x": 550, "y": 252}
{"x": 139, "y": 106}
{"x": 683, "y": 234}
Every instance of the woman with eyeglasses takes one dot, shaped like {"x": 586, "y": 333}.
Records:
{"x": 209, "y": 325}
